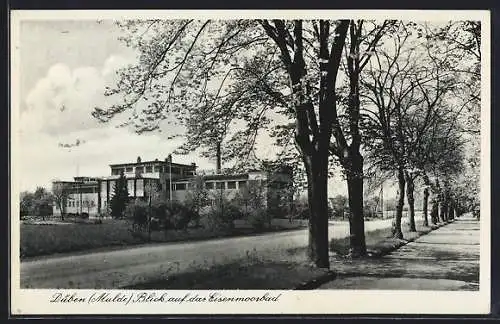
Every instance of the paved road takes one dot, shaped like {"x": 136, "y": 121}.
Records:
{"x": 119, "y": 268}
{"x": 444, "y": 259}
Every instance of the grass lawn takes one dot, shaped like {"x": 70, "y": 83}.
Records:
{"x": 255, "y": 274}
{"x": 380, "y": 241}
{"x": 39, "y": 240}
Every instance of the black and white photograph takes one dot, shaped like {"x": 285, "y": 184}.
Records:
{"x": 250, "y": 161}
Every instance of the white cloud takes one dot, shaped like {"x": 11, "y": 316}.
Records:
{"x": 59, "y": 111}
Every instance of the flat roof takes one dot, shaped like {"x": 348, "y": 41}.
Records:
{"x": 152, "y": 162}
{"x": 215, "y": 177}
{"x": 130, "y": 176}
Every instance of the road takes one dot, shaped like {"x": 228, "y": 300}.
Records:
{"x": 120, "y": 268}
{"x": 444, "y": 259}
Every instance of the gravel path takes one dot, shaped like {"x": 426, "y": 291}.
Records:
{"x": 444, "y": 259}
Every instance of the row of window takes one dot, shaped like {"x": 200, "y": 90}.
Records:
{"x": 76, "y": 203}
{"x": 212, "y": 185}
{"x": 150, "y": 169}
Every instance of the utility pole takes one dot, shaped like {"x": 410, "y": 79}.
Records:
{"x": 150, "y": 210}
{"x": 170, "y": 177}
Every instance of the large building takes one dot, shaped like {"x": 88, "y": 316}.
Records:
{"x": 91, "y": 196}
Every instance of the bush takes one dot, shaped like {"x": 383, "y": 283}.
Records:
{"x": 258, "y": 218}
{"x": 138, "y": 212}
{"x": 178, "y": 216}
{"x": 222, "y": 215}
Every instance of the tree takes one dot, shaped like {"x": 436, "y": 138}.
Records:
{"x": 60, "y": 197}
{"x": 42, "y": 202}
{"x": 197, "y": 196}
{"x": 361, "y": 44}
{"x": 120, "y": 197}
{"x": 411, "y": 85}
{"x": 175, "y": 59}
{"x": 27, "y": 203}
{"x": 339, "y": 205}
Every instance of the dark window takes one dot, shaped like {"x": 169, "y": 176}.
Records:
{"x": 157, "y": 168}
{"x": 139, "y": 169}
{"x": 209, "y": 185}
{"x": 175, "y": 170}
{"x": 180, "y": 186}
{"x": 220, "y": 185}
{"x": 115, "y": 171}
{"x": 129, "y": 169}
{"x": 242, "y": 184}
{"x": 149, "y": 169}
{"x": 231, "y": 185}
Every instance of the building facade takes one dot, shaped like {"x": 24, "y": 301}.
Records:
{"x": 91, "y": 196}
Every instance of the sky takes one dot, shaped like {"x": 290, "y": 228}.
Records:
{"x": 64, "y": 68}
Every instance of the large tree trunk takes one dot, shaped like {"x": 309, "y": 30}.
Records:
{"x": 356, "y": 219}
{"x": 410, "y": 188}
{"x": 444, "y": 208}
{"x": 317, "y": 189}
{"x": 451, "y": 210}
{"x": 435, "y": 211}
{"x": 425, "y": 206}
{"x": 396, "y": 231}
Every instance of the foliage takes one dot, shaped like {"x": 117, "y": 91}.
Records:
{"x": 137, "y": 212}
{"x": 197, "y": 197}
{"x": 120, "y": 198}
{"x": 38, "y": 203}
{"x": 60, "y": 197}
{"x": 339, "y": 205}
{"x": 222, "y": 213}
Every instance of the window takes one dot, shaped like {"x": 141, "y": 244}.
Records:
{"x": 209, "y": 185}
{"x": 180, "y": 186}
{"x": 77, "y": 203}
{"x": 129, "y": 169}
{"x": 139, "y": 169}
{"x": 242, "y": 184}
{"x": 231, "y": 185}
{"x": 116, "y": 171}
{"x": 157, "y": 168}
{"x": 149, "y": 169}
{"x": 175, "y": 170}
{"x": 220, "y": 185}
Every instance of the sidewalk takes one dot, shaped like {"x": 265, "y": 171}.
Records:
{"x": 445, "y": 259}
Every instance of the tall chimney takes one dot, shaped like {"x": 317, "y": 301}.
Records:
{"x": 218, "y": 157}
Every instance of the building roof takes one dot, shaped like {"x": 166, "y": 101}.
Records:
{"x": 193, "y": 166}
{"x": 131, "y": 176}
{"x": 216, "y": 177}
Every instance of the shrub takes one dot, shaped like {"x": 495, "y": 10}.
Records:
{"x": 222, "y": 215}
{"x": 258, "y": 218}
{"x": 137, "y": 212}
{"x": 178, "y": 216}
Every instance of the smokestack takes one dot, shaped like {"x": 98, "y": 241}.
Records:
{"x": 218, "y": 157}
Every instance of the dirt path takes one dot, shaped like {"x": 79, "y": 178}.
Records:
{"x": 444, "y": 259}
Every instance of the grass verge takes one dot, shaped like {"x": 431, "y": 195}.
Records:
{"x": 380, "y": 242}
{"x": 41, "y": 240}
{"x": 263, "y": 274}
